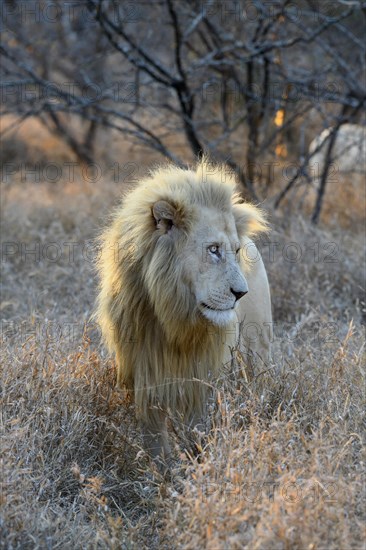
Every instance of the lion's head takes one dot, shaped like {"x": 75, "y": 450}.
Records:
{"x": 206, "y": 258}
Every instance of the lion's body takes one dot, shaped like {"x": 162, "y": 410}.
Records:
{"x": 348, "y": 152}
{"x": 253, "y": 312}
{"x": 166, "y": 310}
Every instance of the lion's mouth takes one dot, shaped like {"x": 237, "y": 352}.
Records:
{"x": 216, "y": 308}
{"x": 217, "y": 316}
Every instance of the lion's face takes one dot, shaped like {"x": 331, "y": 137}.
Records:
{"x": 192, "y": 271}
{"x": 211, "y": 266}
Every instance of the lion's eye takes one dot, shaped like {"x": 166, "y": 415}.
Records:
{"x": 237, "y": 251}
{"x": 214, "y": 249}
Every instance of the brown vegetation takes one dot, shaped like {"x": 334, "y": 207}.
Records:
{"x": 282, "y": 464}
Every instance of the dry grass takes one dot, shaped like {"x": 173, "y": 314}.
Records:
{"x": 282, "y": 466}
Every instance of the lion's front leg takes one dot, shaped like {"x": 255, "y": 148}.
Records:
{"x": 197, "y": 421}
{"x": 197, "y": 428}
{"x": 155, "y": 435}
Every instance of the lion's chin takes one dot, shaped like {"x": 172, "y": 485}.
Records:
{"x": 219, "y": 317}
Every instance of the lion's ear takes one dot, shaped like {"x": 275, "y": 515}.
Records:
{"x": 249, "y": 220}
{"x": 165, "y": 215}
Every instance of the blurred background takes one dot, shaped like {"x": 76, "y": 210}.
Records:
{"x": 94, "y": 93}
{"x": 252, "y": 84}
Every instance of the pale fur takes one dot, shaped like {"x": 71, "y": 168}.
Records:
{"x": 154, "y": 278}
{"x": 349, "y": 150}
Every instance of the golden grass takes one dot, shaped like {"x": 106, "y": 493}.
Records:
{"x": 282, "y": 465}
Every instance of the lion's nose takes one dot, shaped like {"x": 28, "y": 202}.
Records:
{"x": 238, "y": 293}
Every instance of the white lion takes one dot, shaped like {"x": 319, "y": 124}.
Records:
{"x": 349, "y": 150}
{"x": 180, "y": 283}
